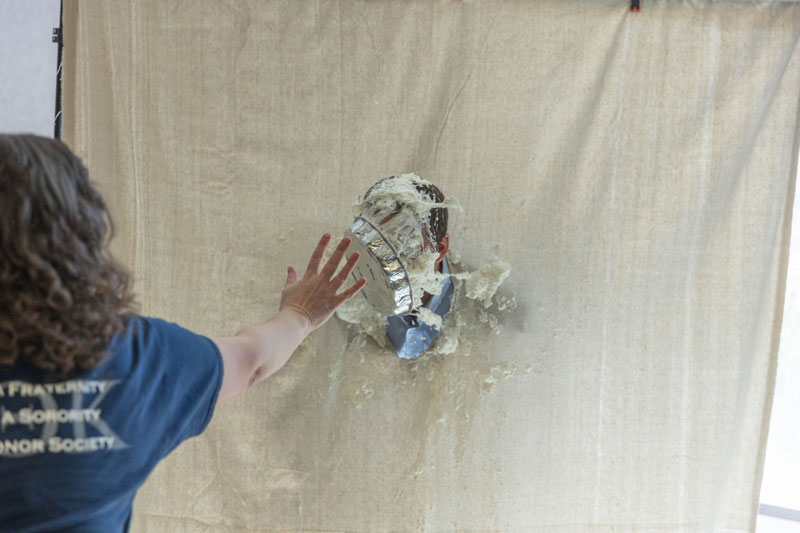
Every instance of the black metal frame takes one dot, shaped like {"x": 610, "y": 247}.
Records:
{"x": 58, "y": 37}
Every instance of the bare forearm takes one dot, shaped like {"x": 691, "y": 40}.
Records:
{"x": 260, "y": 350}
{"x": 275, "y": 340}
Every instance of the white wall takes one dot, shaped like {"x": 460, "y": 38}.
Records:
{"x": 28, "y": 64}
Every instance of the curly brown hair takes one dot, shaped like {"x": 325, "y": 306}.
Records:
{"x": 62, "y": 295}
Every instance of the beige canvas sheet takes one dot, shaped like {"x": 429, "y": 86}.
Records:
{"x": 636, "y": 170}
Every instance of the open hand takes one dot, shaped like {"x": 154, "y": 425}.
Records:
{"x": 314, "y": 295}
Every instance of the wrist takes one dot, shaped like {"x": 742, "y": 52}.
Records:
{"x": 299, "y": 317}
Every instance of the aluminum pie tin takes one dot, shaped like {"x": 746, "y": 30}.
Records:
{"x": 388, "y": 288}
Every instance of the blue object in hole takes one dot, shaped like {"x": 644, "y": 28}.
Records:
{"x": 411, "y": 336}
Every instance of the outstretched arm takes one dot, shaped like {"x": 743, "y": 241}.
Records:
{"x": 260, "y": 350}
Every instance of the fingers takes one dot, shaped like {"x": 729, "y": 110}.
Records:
{"x": 316, "y": 256}
{"x": 346, "y": 270}
{"x": 291, "y": 278}
{"x": 350, "y": 292}
{"x": 333, "y": 263}
{"x": 330, "y": 267}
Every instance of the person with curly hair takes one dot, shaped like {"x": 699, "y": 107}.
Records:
{"x": 92, "y": 394}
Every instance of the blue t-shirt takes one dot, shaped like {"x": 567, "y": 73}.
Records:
{"x": 73, "y": 453}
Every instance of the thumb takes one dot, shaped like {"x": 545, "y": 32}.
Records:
{"x": 292, "y": 276}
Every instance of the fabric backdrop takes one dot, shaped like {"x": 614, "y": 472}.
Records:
{"x": 636, "y": 171}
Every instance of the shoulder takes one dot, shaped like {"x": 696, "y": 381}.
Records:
{"x": 148, "y": 334}
{"x": 161, "y": 330}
